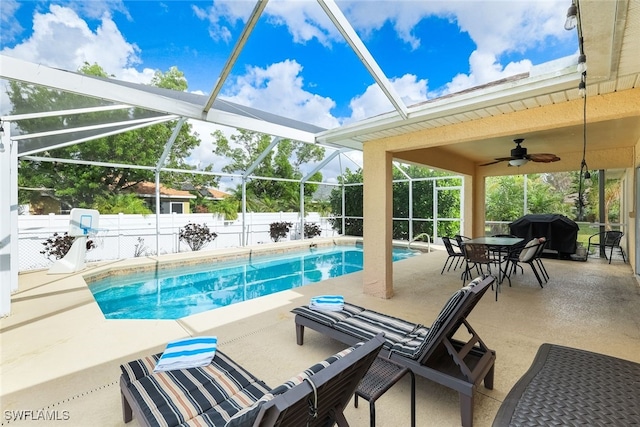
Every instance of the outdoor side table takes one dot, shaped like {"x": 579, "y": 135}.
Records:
{"x": 380, "y": 377}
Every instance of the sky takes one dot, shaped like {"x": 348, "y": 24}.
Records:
{"x": 295, "y": 62}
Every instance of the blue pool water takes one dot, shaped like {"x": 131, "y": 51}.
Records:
{"x": 183, "y": 291}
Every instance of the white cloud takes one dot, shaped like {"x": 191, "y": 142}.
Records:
{"x": 304, "y": 21}
{"x": 203, "y": 155}
{"x": 497, "y": 27}
{"x": 76, "y": 43}
{"x": 484, "y": 68}
{"x": 373, "y": 101}
{"x": 9, "y": 26}
{"x": 222, "y": 16}
{"x": 278, "y": 89}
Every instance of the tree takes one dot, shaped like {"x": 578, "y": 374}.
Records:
{"x": 79, "y": 185}
{"x": 284, "y": 161}
{"x": 448, "y": 202}
{"x": 612, "y": 202}
{"x": 229, "y": 206}
{"x": 422, "y": 208}
{"x": 121, "y": 203}
{"x": 353, "y": 206}
{"x": 505, "y": 197}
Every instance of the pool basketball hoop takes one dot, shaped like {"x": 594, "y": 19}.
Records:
{"x": 83, "y": 222}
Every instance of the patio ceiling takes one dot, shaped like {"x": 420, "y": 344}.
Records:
{"x": 611, "y": 37}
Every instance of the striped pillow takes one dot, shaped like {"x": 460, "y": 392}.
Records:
{"x": 187, "y": 353}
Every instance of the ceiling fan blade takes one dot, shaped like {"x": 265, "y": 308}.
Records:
{"x": 498, "y": 160}
{"x": 543, "y": 157}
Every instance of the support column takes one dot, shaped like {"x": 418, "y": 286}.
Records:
{"x": 468, "y": 206}
{"x": 477, "y": 192}
{"x": 378, "y": 223}
{"x": 8, "y": 234}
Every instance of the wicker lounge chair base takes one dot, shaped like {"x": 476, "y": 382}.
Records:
{"x": 225, "y": 394}
{"x": 566, "y": 386}
{"x": 431, "y": 353}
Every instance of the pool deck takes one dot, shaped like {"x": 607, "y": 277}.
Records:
{"x": 59, "y": 353}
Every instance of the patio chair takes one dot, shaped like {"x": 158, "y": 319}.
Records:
{"x": 530, "y": 254}
{"x": 454, "y": 256}
{"x": 460, "y": 239}
{"x": 460, "y": 363}
{"x": 225, "y": 394}
{"x": 607, "y": 239}
{"x": 477, "y": 255}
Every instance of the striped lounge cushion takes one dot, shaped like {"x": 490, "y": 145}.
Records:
{"x": 369, "y": 323}
{"x": 328, "y": 318}
{"x": 247, "y": 416}
{"x": 402, "y": 337}
{"x": 208, "y": 395}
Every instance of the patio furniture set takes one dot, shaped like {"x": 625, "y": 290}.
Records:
{"x": 506, "y": 253}
{"x": 382, "y": 350}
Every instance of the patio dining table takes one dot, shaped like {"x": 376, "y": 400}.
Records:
{"x": 500, "y": 245}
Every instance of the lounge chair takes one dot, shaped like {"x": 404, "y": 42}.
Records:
{"x": 225, "y": 394}
{"x": 432, "y": 352}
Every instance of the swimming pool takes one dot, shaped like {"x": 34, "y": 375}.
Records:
{"x": 183, "y": 291}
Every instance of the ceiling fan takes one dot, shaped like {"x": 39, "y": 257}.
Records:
{"x": 519, "y": 156}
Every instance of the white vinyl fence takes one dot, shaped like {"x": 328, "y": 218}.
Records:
{"x": 127, "y": 236}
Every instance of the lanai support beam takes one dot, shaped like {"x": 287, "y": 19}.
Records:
{"x": 8, "y": 219}
{"x": 342, "y": 24}
{"x": 307, "y": 178}
{"x": 378, "y": 224}
{"x": 161, "y": 162}
{"x": 231, "y": 60}
{"x": 245, "y": 175}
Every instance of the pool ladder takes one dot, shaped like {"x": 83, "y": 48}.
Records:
{"x": 420, "y": 236}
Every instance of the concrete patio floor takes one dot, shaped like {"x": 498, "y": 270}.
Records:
{"x": 59, "y": 354}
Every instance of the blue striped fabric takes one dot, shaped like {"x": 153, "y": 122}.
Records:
{"x": 197, "y": 397}
{"x": 187, "y": 353}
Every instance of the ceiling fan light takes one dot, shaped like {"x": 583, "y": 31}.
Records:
{"x": 518, "y": 162}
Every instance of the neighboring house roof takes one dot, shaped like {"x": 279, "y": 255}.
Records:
{"x": 148, "y": 189}
{"x": 215, "y": 193}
